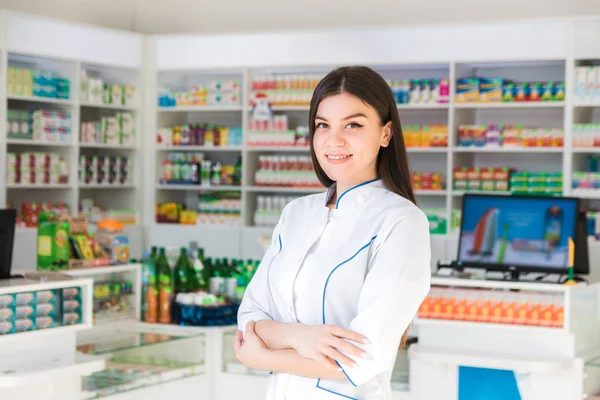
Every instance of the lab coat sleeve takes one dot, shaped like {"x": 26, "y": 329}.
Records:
{"x": 257, "y": 303}
{"x": 396, "y": 284}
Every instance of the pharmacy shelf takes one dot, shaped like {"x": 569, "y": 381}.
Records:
{"x": 200, "y": 109}
{"x": 39, "y": 186}
{"x": 299, "y": 149}
{"x": 586, "y": 105}
{"x": 25, "y": 142}
{"x": 434, "y": 106}
{"x": 427, "y": 149}
{"x": 106, "y": 146}
{"x": 39, "y": 99}
{"x": 178, "y": 187}
{"x": 109, "y": 107}
{"x": 424, "y": 192}
{"x": 584, "y": 150}
{"x": 279, "y": 189}
{"x": 526, "y": 329}
{"x": 105, "y": 186}
{"x": 515, "y": 104}
{"x": 458, "y": 193}
{"x": 200, "y": 148}
{"x": 506, "y": 150}
{"x": 586, "y": 193}
{"x": 291, "y": 108}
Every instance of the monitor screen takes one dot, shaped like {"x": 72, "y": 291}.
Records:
{"x": 528, "y": 232}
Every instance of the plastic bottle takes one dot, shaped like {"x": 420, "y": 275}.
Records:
{"x": 199, "y": 282}
{"x": 149, "y": 288}
{"x": 165, "y": 282}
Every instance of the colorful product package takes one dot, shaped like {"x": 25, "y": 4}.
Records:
{"x": 71, "y": 318}
{"x": 45, "y": 309}
{"x": 467, "y": 90}
{"x": 46, "y": 296}
{"x": 535, "y": 91}
{"x": 26, "y": 311}
{"x": 521, "y": 92}
{"x": 7, "y": 314}
{"x": 24, "y": 325}
{"x": 559, "y": 91}
{"x": 71, "y": 293}
{"x": 6, "y": 327}
{"x": 6, "y": 300}
{"x": 508, "y": 92}
{"x": 24, "y": 298}
{"x": 43, "y": 322}
{"x": 490, "y": 90}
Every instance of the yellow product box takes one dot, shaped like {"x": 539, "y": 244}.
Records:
{"x": 490, "y": 90}
{"x": 467, "y": 90}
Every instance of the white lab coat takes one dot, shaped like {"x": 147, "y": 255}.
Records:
{"x": 368, "y": 262}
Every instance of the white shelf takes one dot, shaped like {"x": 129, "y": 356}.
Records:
{"x": 519, "y": 150}
{"x": 422, "y": 192}
{"x": 526, "y": 329}
{"x": 591, "y": 150}
{"x": 583, "y": 105}
{"x": 427, "y": 149}
{"x": 514, "y": 104}
{"x": 39, "y": 99}
{"x": 199, "y": 148}
{"x": 586, "y": 193}
{"x": 278, "y": 189}
{"x": 109, "y": 107}
{"x": 81, "y": 365}
{"x": 299, "y": 149}
{"x": 201, "y": 109}
{"x": 107, "y": 146}
{"x": 25, "y": 142}
{"x": 40, "y": 186}
{"x": 290, "y": 108}
{"x": 85, "y": 272}
{"x": 434, "y": 106}
{"x": 222, "y": 188}
{"x": 105, "y": 186}
{"x": 463, "y": 192}
{"x": 519, "y": 364}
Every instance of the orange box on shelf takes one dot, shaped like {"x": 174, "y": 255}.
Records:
{"x": 473, "y": 174}
{"x": 487, "y": 174}
{"x": 460, "y": 173}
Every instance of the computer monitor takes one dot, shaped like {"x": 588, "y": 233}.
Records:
{"x": 8, "y": 220}
{"x": 518, "y": 233}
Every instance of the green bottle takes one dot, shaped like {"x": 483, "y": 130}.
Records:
{"x": 208, "y": 270}
{"x": 183, "y": 273}
{"x": 165, "y": 287}
{"x": 153, "y": 253}
{"x": 198, "y": 279}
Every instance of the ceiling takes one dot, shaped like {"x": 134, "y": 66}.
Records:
{"x": 204, "y": 16}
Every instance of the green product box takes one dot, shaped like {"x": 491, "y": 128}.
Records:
{"x": 538, "y": 177}
{"x": 474, "y": 185}
{"x": 460, "y": 184}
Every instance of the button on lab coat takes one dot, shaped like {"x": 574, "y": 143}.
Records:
{"x": 364, "y": 266}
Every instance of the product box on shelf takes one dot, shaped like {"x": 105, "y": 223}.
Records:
{"x": 490, "y": 90}
{"x": 199, "y": 134}
{"x": 420, "y": 91}
{"x": 285, "y": 90}
{"x": 495, "y": 90}
{"x": 287, "y": 171}
{"x": 467, "y": 90}
{"x": 427, "y": 180}
{"x": 95, "y": 91}
{"x": 500, "y": 135}
{"x": 426, "y": 135}
{"x": 105, "y": 170}
{"x": 36, "y": 168}
{"x": 269, "y": 208}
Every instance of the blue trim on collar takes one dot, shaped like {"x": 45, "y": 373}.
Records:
{"x": 337, "y": 203}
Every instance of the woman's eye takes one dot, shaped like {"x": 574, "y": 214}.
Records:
{"x": 321, "y": 125}
{"x": 354, "y": 125}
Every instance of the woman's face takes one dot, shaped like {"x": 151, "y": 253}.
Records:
{"x": 348, "y": 135}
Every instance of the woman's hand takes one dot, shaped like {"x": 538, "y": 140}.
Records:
{"x": 324, "y": 343}
{"x": 250, "y": 349}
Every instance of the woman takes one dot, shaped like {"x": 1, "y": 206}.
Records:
{"x": 346, "y": 270}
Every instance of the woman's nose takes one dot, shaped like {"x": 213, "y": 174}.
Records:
{"x": 336, "y": 138}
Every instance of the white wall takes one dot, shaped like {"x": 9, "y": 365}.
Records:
{"x": 184, "y": 16}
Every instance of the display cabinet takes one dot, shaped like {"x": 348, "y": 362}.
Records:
{"x": 140, "y": 357}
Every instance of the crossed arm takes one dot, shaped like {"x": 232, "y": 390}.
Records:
{"x": 295, "y": 348}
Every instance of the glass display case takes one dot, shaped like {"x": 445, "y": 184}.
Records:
{"x": 591, "y": 379}
{"x": 230, "y": 363}
{"x": 138, "y": 356}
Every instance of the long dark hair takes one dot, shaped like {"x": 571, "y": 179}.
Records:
{"x": 372, "y": 89}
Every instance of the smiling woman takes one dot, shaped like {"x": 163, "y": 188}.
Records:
{"x": 346, "y": 270}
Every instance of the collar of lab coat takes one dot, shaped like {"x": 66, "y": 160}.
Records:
{"x": 355, "y": 196}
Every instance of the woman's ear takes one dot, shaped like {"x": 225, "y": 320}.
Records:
{"x": 386, "y": 134}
